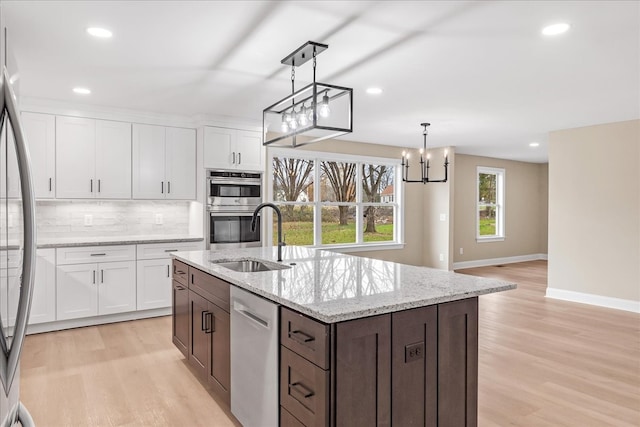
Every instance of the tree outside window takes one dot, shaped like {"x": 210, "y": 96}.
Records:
{"x": 490, "y": 203}
{"x": 350, "y": 193}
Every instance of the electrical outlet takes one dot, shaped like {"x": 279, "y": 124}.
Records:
{"x": 88, "y": 220}
{"x": 413, "y": 352}
{"x": 443, "y": 217}
{"x": 441, "y": 257}
{"x": 158, "y": 219}
{"x": 461, "y": 251}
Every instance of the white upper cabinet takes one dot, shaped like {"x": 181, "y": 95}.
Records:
{"x": 232, "y": 149}
{"x": 164, "y": 162}
{"x": 93, "y": 158}
{"x": 180, "y": 164}
{"x": 148, "y": 161}
{"x": 75, "y": 157}
{"x": 113, "y": 160}
{"x": 40, "y": 132}
{"x": 9, "y": 181}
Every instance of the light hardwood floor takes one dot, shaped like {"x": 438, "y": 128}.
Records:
{"x": 543, "y": 362}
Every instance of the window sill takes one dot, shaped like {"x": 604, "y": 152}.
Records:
{"x": 360, "y": 248}
{"x": 489, "y": 239}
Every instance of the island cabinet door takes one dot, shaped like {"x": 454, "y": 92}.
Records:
{"x": 218, "y": 326}
{"x": 199, "y": 341}
{"x": 181, "y": 317}
{"x": 414, "y": 383}
{"x": 362, "y": 372}
{"x": 458, "y": 363}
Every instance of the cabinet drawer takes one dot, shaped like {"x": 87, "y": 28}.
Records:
{"x": 89, "y": 254}
{"x": 163, "y": 250}
{"x": 215, "y": 290}
{"x": 304, "y": 389}
{"x": 307, "y": 337}
{"x": 180, "y": 272}
{"x": 288, "y": 420}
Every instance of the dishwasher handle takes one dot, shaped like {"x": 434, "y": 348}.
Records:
{"x": 246, "y": 312}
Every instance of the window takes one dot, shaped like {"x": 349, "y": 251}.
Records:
{"x": 335, "y": 200}
{"x": 490, "y": 204}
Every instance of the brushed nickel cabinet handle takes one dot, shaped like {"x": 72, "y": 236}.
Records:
{"x": 300, "y": 337}
{"x": 301, "y": 389}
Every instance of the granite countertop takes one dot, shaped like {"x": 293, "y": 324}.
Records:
{"x": 333, "y": 287}
{"x": 57, "y": 242}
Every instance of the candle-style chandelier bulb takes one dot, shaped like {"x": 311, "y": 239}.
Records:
{"x": 302, "y": 116}
{"x": 325, "y": 111}
{"x": 284, "y": 127}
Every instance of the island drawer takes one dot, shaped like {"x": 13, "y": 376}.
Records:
{"x": 304, "y": 389}
{"x": 215, "y": 290}
{"x": 305, "y": 336}
{"x": 180, "y": 272}
{"x": 288, "y": 420}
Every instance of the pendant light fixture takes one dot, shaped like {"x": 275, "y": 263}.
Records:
{"x": 424, "y": 166}
{"x": 314, "y": 113}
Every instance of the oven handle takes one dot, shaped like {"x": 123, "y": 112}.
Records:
{"x": 248, "y": 181}
{"x": 233, "y": 213}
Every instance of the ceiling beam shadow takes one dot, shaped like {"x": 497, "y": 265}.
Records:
{"x": 465, "y": 8}
{"x": 259, "y": 19}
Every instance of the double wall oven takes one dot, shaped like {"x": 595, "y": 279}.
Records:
{"x": 231, "y": 199}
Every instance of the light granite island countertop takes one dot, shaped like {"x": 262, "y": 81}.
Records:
{"x": 355, "y": 338}
{"x": 333, "y": 287}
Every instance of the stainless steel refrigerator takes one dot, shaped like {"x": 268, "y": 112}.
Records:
{"x": 17, "y": 238}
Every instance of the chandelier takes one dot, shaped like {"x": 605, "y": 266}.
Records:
{"x": 424, "y": 166}
{"x": 314, "y": 113}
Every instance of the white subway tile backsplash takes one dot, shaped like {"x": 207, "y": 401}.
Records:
{"x": 59, "y": 218}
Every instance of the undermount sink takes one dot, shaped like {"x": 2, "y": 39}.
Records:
{"x": 249, "y": 265}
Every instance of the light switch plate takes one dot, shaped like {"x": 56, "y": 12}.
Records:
{"x": 443, "y": 217}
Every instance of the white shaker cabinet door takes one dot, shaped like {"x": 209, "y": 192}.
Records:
{"x": 249, "y": 148}
{"x": 75, "y": 157}
{"x": 76, "y": 291}
{"x": 180, "y": 164}
{"x": 154, "y": 284}
{"x": 113, "y": 160}
{"x": 116, "y": 287}
{"x": 40, "y": 131}
{"x": 43, "y": 302}
{"x": 9, "y": 179}
{"x": 148, "y": 161}
{"x": 220, "y": 148}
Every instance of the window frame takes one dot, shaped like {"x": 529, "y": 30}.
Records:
{"x": 359, "y": 204}
{"x": 499, "y": 205}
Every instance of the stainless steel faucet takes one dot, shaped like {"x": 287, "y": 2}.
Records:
{"x": 255, "y": 218}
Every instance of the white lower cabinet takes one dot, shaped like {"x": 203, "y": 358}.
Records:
{"x": 85, "y": 290}
{"x": 154, "y": 283}
{"x": 43, "y": 302}
{"x": 116, "y": 287}
{"x": 154, "y": 272}
{"x": 77, "y": 291}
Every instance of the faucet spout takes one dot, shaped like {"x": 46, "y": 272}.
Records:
{"x": 254, "y": 219}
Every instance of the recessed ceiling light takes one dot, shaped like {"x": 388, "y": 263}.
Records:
{"x": 534, "y": 144}
{"x": 555, "y": 29}
{"x": 81, "y": 90}
{"x": 374, "y": 91}
{"x": 99, "y": 32}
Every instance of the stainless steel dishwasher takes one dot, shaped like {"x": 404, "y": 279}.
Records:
{"x": 254, "y": 359}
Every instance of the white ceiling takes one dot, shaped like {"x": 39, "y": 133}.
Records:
{"x": 480, "y": 72}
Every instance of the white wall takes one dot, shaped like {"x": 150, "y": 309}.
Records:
{"x": 594, "y": 214}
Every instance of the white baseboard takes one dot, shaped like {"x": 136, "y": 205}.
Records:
{"x": 97, "y": 320}
{"x": 498, "y": 261}
{"x": 599, "y": 300}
